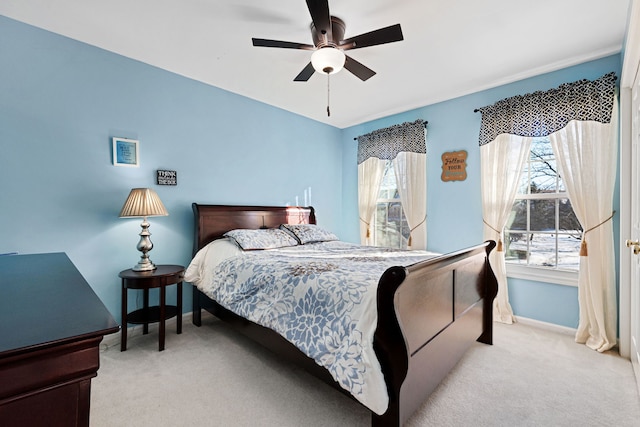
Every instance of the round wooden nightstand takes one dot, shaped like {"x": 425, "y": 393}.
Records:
{"x": 161, "y": 277}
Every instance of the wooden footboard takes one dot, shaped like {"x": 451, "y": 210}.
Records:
{"x": 428, "y": 313}
{"x": 428, "y": 316}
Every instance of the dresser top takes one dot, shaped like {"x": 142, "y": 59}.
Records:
{"x": 45, "y": 300}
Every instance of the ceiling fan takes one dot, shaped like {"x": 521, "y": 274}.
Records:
{"x": 329, "y": 44}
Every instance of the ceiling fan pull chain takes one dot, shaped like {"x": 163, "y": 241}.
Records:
{"x": 328, "y": 111}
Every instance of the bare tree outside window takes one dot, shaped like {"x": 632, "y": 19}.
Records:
{"x": 542, "y": 230}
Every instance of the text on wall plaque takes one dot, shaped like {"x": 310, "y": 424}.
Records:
{"x": 165, "y": 177}
{"x": 454, "y": 166}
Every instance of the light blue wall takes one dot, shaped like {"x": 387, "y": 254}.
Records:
{"x": 454, "y": 213}
{"x": 61, "y": 101}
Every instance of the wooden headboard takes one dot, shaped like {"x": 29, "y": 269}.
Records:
{"x": 212, "y": 221}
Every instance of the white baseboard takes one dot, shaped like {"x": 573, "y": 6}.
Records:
{"x": 545, "y": 325}
{"x": 112, "y": 340}
{"x": 559, "y": 329}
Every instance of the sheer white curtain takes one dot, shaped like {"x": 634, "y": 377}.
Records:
{"x": 370, "y": 173}
{"x": 586, "y": 152}
{"x": 580, "y": 119}
{"x": 501, "y": 164}
{"x": 405, "y": 145}
{"x": 411, "y": 180}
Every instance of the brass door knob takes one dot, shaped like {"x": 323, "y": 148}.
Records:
{"x": 635, "y": 244}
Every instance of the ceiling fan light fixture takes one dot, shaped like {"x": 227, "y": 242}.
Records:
{"x": 328, "y": 60}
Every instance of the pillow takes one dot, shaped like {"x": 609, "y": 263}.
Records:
{"x": 268, "y": 238}
{"x": 309, "y": 233}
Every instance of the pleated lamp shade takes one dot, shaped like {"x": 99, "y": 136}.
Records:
{"x": 143, "y": 202}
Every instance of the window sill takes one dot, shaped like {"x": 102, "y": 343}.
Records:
{"x": 558, "y": 277}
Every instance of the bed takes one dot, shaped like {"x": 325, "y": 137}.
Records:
{"x": 428, "y": 312}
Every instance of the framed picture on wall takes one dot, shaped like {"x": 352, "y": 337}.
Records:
{"x": 125, "y": 152}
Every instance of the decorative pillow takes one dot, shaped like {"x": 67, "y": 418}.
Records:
{"x": 268, "y": 238}
{"x": 309, "y": 233}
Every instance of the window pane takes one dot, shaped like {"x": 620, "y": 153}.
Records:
{"x": 516, "y": 247}
{"x": 561, "y": 187}
{"x": 542, "y": 215}
{"x": 387, "y": 194}
{"x": 523, "y": 185}
{"x": 518, "y": 218}
{"x": 542, "y": 250}
{"x": 391, "y": 227}
{"x": 568, "y": 220}
{"x": 543, "y": 176}
{"x": 388, "y": 185}
{"x": 541, "y": 149}
{"x": 542, "y": 229}
{"x": 568, "y": 251}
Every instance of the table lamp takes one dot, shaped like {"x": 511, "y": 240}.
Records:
{"x": 143, "y": 202}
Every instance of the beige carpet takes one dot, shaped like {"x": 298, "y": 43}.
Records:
{"x": 212, "y": 376}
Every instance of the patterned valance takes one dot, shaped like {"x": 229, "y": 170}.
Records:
{"x": 542, "y": 113}
{"x": 386, "y": 143}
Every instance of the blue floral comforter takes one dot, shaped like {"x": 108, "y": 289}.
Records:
{"x": 322, "y": 298}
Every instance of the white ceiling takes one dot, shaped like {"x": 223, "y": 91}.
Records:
{"x": 450, "y": 48}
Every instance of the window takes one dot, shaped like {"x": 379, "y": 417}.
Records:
{"x": 391, "y": 228}
{"x": 542, "y": 230}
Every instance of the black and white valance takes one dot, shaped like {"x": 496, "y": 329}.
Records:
{"x": 386, "y": 143}
{"x": 544, "y": 112}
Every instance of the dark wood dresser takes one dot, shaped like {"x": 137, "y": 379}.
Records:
{"x": 51, "y": 325}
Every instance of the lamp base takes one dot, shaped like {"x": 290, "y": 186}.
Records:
{"x": 144, "y": 246}
{"x": 144, "y": 265}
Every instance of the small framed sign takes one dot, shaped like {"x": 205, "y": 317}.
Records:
{"x": 454, "y": 166}
{"x": 125, "y": 152}
{"x": 165, "y": 177}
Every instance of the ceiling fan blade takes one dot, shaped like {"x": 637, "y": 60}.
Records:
{"x": 305, "y": 74}
{"x": 360, "y": 71}
{"x": 281, "y": 44}
{"x": 319, "y": 11}
{"x": 389, "y": 34}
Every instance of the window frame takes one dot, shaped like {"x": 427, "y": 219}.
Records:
{"x": 388, "y": 201}
{"x": 556, "y": 275}
{"x": 541, "y": 274}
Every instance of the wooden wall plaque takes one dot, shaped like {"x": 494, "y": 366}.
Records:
{"x": 454, "y": 166}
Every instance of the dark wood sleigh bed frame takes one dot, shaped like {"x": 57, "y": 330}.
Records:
{"x": 429, "y": 313}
